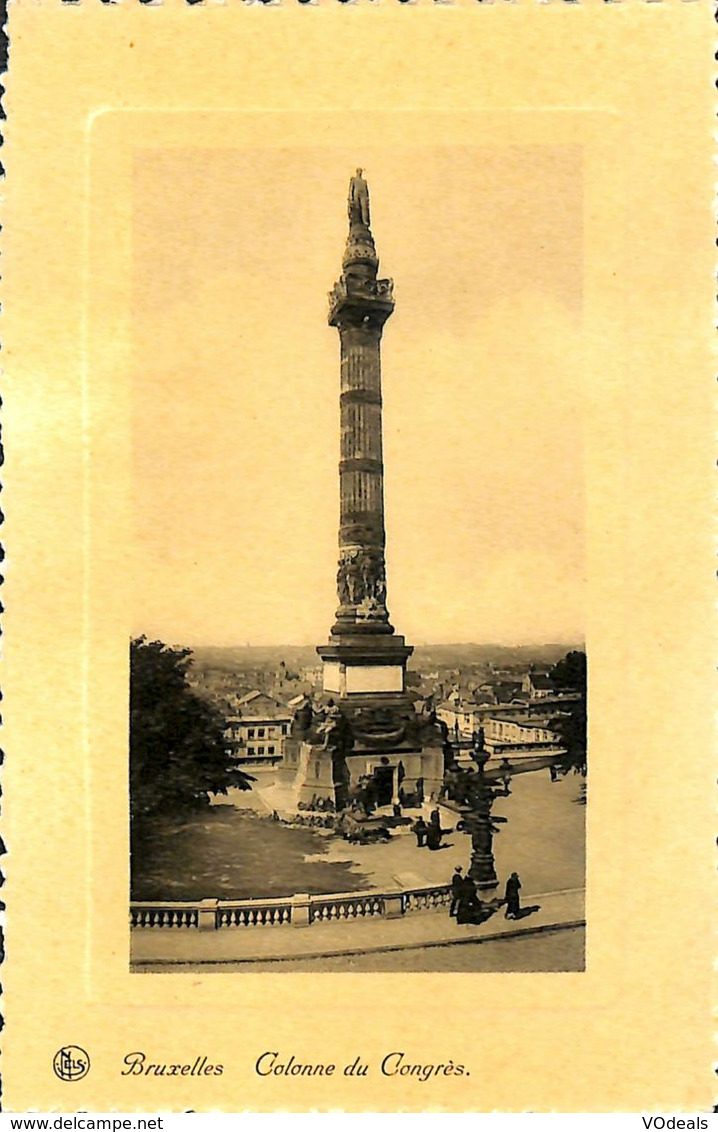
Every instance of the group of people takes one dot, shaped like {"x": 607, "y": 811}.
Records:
{"x": 466, "y": 905}
{"x": 430, "y": 834}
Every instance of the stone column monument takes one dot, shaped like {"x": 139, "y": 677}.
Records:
{"x": 365, "y": 660}
{"x": 359, "y": 306}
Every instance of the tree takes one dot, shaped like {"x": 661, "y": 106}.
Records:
{"x": 178, "y": 753}
{"x": 570, "y": 675}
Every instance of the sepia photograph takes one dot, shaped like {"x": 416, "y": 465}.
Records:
{"x": 358, "y": 674}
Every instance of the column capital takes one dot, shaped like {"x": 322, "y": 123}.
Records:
{"x": 359, "y": 302}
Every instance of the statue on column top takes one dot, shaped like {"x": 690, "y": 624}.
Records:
{"x": 359, "y": 199}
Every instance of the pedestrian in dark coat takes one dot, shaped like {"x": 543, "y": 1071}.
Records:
{"x": 433, "y": 836}
{"x": 435, "y": 818}
{"x": 469, "y": 909}
{"x": 456, "y": 885}
{"x": 421, "y": 829}
{"x": 511, "y": 896}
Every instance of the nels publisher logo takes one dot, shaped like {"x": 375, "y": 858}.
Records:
{"x": 71, "y": 1063}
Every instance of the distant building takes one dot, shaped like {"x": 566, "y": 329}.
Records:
{"x": 257, "y": 730}
{"x": 527, "y": 732}
{"x": 458, "y": 715}
{"x": 312, "y": 673}
{"x": 538, "y": 686}
{"x": 506, "y": 691}
{"x": 514, "y": 709}
{"x": 465, "y": 716}
{"x": 287, "y": 690}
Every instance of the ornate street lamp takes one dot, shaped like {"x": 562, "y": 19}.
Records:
{"x": 472, "y": 798}
{"x": 482, "y": 824}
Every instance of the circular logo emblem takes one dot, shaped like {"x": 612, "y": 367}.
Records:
{"x": 71, "y": 1063}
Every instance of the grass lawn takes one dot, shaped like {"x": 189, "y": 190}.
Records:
{"x": 225, "y": 854}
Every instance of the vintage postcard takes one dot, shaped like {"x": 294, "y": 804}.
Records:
{"x": 358, "y": 634}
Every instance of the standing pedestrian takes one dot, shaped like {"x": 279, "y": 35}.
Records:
{"x": 456, "y": 884}
{"x": 433, "y": 836}
{"x": 511, "y": 896}
{"x": 469, "y": 910}
{"x": 421, "y": 829}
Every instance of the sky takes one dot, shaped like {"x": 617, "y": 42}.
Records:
{"x": 236, "y": 391}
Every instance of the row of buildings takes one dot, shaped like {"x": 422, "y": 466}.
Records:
{"x": 513, "y": 714}
{"x": 515, "y": 718}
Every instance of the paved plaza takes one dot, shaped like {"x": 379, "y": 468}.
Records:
{"x": 543, "y": 840}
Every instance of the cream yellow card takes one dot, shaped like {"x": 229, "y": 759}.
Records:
{"x": 359, "y": 624}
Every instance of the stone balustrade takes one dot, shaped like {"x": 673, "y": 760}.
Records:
{"x": 427, "y": 899}
{"x": 254, "y": 913}
{"x": 346, "y": 906}
{"x": 301, "y": 910}
{"x": 167, "y": 914}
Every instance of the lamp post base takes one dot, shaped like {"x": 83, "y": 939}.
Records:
{"x": 482, "y": 869}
